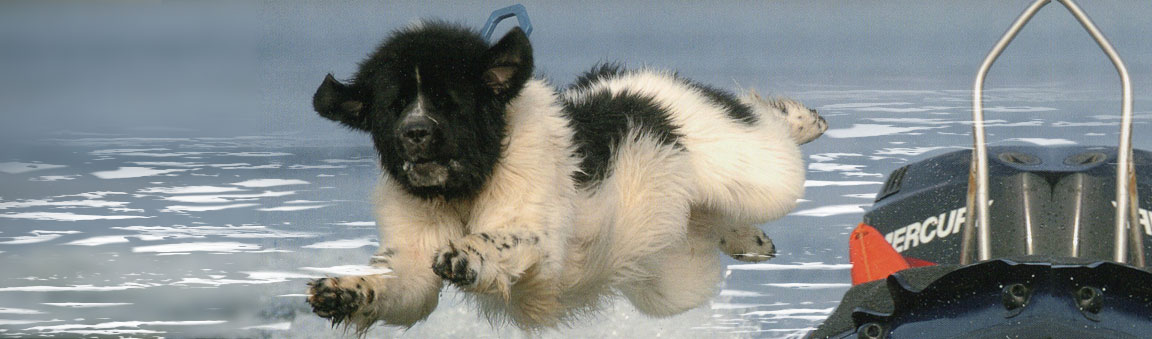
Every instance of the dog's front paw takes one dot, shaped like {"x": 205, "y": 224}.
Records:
{"x": 461, "y": 266}
{"x": 748, "y": 244}
{"x": 331, "y": 300}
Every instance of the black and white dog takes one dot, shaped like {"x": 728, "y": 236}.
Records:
{"x": 542, "y": 204}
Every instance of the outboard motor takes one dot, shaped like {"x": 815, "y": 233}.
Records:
{"x": 1008, "y": 241}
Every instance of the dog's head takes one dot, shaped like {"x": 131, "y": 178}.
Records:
{"x": 433, "y": 97}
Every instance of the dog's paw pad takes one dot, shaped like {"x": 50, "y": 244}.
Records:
{"x": 748, "y": 246}
{"x": 331, "y": 301}
{"x": 457, "y": 266}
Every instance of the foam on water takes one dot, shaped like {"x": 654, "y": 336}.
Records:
{"x": 823, "y": 183}
{"x": 86, "y": 305}
{"x": 75, "y": 288}
{"x": 67, "y": 216}
{"x": 6, "y": 310}
{"x": 825, "y": 211}
{"x": 217, "y": 247}
{"x": 346, "y": 243}
{"x": 203, "y": 208}
{"x": 291, "y": 208}
{"x": 871, "y": 130}
{"x": 226, "y": 198}
{"x": 270, "y": 182}
{"x": 787, "y": 267}
{"x": 190, "y": 189}
{"x": 134, "y": 172}
{"x": 349, "y": 270}
{"x": 1045, "y": 141}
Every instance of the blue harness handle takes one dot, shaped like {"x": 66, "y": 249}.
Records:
{"x": 498, "y": 15}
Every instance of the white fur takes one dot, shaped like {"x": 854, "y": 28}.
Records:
{"x": 649, "y": 231}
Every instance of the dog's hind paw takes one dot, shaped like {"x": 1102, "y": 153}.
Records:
{"x": 458, "y": 265}
{"x": 804, "y": 124}
{"x": 330, "y": 300}
{"x": 749, "y": 244}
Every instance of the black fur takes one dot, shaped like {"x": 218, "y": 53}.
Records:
{"x": 467, "y": 84}
{"x": 601, "y": 121}
{"x": 736, "y": 110}
{"x": 596, "y": 74}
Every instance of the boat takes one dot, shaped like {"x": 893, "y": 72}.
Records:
{"x": 1007, "y": 241}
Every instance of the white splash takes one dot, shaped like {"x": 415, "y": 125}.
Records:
{"x": 270, "y": 182}
{"x": 190, "y": 189}
{"x": 344, "y": 244}
{"x": 810, "y": 286}
{"x": 825, "y": 211}
{"x": 5, "y": 310}
{"x": 1044, "y": 141}
{"x": 316, "y": 166}
{"x": 120, "y": 327}
{"x": 291, "y": 208}
{"x": 1018, "y": 109}
{"x": 357, "y": 223}
{"x": 822, "y": 183}
{"x": 48, "y": 178}
{"x": 226, "y": 198}
{"x": 180, "y": 208}
{"x": 84, "y": 288}
{"x": 184, "y": 164}
{"x": 257, "y": 154}
{"x": 37, "y": 237}
{"x": 832, "y": 156}
{"x": 833, "y": 167}
{"x": 740, "y": 294}
{"x": 871, "y": 130}
{"x": 342, "y": 161}
{"x": 64, "y": 204}
{"x": 789, "y": 313}
{"x": 66, "y": 216}
{"x": 1083, "y": 124}
{"x": 154, "y": 233}
{"x": 813, "y": 266}
{"x": 218, "y": 247}
{"x": 134, "y": 172}
{"x": 101, "y": 240}
{"x": 254, "y": 278}
{"x": 85, "y": 305}
{"x": 349, "y": 270}
{"x": 861, "y": 105}
{"x": 912, "y": 151}
{"x": 284, "y": 326}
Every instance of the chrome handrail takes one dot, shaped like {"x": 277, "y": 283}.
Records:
{"x": 1126, "y": 205}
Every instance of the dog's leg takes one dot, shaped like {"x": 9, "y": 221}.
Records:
{"x": 411, "y": 231}
{"x": 741, "y": 241}
{"x": 519, "y": 224}
{"x": 509, "y": 270}
{"x": 646, "y": 200}
{"x": 489, "y": 262}
{"x": 683, "y": 276}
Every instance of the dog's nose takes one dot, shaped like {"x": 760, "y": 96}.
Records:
{"x": 416, "y": 133}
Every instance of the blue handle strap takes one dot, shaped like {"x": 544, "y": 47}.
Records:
{"x": 498, "y": 15}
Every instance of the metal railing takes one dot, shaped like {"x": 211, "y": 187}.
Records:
{"x": 1126, "y": 202}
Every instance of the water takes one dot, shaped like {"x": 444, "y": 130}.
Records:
{"x": 198, "y": 202}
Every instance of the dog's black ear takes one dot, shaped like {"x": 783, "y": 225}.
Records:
{"x": 340, "y": 103}
{"x": 509, "y": 65}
